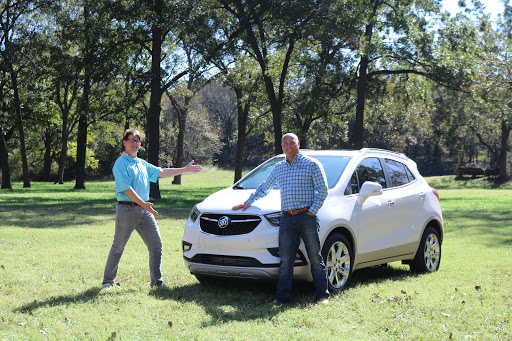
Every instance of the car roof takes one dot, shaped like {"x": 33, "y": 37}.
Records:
{"x": 352, "y": 152}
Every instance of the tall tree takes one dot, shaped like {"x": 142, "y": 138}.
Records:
{"x": 492, "y": 90}
{"x": 94, "y": 55}
{"x": 271, "y": 30}
{"x": 397, "y": 39}
{"x": 13, "y": 34}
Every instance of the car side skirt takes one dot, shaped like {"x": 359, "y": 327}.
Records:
{"x": 392, "y": 254}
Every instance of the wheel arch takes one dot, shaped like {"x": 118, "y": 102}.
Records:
{"x": 437, "y": 225}
{"x": 347, "y": 233}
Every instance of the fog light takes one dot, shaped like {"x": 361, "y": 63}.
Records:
{"x": 186, "y": 246}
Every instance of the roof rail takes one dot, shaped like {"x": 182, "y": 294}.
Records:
{"x": 390, "y": 152}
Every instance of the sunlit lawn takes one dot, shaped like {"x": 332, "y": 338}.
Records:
{"x": 54, "y": 242}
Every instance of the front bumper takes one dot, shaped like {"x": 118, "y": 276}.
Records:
{"x": 254, "y": 255}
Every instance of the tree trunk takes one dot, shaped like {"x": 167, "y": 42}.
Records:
{"x": 275, "y": 101}
{"x": 153, "y": 116}
{"x": 304, "y": 131}
{"x": 47, "y": 167}
{"x": 81, "y": 141}
{"x": 357, "y": 136}
{"x": 19, "y": 116}
{"x": 182, "y": 125}
{"x": 180, "y": 150}
{"x": 63, "y": 148}
{"x": 243, "y": 114}
{"x": 81, "y": 148}
{"x": 502, "y": 161}
{"x": 276, "y": 115}
{"x": 4, "y": 162}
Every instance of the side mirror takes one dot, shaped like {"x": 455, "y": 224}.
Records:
{"x": 369, "y": 189}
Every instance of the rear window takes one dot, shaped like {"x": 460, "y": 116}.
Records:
{"x": 333, "y": 167}
{"x": 398, "y": 172}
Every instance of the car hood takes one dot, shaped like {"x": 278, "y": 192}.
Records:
{"x": 222, "y": 202}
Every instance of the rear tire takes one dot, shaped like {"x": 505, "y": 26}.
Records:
{"x": 428, "y": 256}
{"x": 337, "y": 255}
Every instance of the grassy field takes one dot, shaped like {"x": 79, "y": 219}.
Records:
{"x": 54, "y": 242}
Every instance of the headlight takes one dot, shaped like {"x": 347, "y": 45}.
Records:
{"x": 273, "y": 218}
{"x": 194, "y": 214}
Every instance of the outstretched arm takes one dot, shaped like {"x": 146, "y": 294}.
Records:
{"x": 190, "y": 168}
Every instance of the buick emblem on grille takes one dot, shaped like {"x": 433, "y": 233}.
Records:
{"x": 223, "y": 222}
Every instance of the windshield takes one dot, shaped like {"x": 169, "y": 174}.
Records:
{"x": 333, "y": 167}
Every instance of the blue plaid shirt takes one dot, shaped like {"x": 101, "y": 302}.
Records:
{"x": 303, "y": 183}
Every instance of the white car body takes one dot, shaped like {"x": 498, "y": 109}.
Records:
{"x": 381, "y": 225}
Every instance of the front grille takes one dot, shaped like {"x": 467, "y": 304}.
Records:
{"x": 234, "y": 224}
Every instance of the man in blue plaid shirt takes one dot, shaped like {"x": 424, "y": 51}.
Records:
{"x": 303, "y": 186}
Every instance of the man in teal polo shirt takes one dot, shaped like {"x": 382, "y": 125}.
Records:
{"x": 134, "y": 212}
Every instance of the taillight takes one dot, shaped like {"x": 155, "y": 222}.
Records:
{"x": 436, "y": 193}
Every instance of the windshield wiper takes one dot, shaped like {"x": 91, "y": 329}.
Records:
{"x": 238, "y": 187}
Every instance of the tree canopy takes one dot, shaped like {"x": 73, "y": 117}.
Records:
{"x": 220, "y": 81}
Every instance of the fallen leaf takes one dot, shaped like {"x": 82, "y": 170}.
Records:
{"x": 403, "y": 292}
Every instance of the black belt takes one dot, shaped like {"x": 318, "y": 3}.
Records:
{"x": 129, "y": 203}
{"x": 297, "y": 211}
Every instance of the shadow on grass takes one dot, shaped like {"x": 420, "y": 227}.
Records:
{"x": 451, "y": 182}
{"x": 63, "y": 212}
{"x": 53, "y": 213}
{"x": 226, "y": 300}
{"x": 82, "y": 297}
{"x": 493, "y": 227}
{"x": 379, "y": 274}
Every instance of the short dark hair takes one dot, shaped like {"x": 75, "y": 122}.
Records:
{"x": 129, "y": 132}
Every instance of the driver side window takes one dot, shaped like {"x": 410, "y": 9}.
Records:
{"x": 369, "y": 169}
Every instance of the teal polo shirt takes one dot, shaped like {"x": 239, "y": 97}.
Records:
{"x": 134, "y": 173}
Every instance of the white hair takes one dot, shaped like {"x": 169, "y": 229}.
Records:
{"x": 295, "y": 138}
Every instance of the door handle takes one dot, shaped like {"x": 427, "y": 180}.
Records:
{"x": 390, "y": 203}
{"x": 423, "y": 195}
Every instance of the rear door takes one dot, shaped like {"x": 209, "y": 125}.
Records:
{"x": 375, "y": 219}
{"x": 407, "y": 199}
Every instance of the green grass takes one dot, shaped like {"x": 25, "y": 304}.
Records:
{"x": 54, "y": 242}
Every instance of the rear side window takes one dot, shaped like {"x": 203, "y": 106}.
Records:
{"x": 398, "y": 172}
{"x": 369, "y": 169}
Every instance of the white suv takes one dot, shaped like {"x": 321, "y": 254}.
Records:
{"x": 379, "y": 210}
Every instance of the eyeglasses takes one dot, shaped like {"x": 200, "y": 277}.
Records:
{"x": 134, "y": 141}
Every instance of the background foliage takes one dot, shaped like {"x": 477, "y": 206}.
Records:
{"x": 219, "y": 81}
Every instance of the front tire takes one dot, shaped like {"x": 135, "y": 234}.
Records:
{"x": 428, "y": 256}
{"x": 337, "y": 255}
